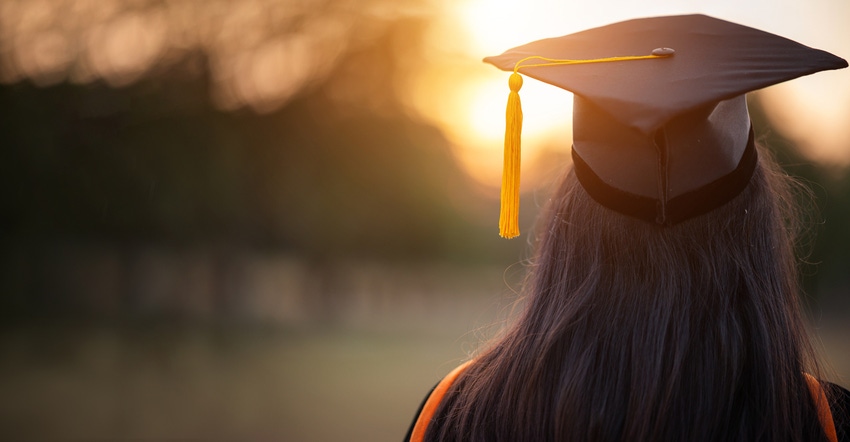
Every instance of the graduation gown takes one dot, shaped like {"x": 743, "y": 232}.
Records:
{"x": 836, "y": 425}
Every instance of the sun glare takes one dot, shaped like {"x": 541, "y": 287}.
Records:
{"x": 490, "y": 24}
{"x": 474, "y": 119}
{"x": 473, "y": 101}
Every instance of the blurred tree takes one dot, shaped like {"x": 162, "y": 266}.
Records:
{"x": 224, "y": 125}
{"x": 340, "y": 172}
{"x": 341, "y": 169}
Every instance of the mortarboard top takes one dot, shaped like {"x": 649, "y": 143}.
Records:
{"x": 664, "y": 139}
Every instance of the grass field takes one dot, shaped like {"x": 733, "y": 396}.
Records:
{"x": 159, "y": 381}
{"x": 165, "y": 382}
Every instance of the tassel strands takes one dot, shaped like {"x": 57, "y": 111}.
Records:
{"x": 509, "y": 213}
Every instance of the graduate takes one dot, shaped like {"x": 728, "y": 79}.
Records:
{"x": 662, "y": 303}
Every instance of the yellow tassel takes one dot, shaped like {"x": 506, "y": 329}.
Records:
{"x": 509, "y": 214}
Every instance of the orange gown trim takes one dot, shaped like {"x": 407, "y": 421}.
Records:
{"x": 430, "y": 407}
{"x": 824, "y": 413}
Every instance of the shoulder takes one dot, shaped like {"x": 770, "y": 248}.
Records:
{"x": 426, "y": 411}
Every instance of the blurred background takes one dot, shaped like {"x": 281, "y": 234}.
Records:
{"x": 277, "y": 220}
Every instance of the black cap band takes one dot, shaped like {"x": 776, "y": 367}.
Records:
{"x": 680, "y": 208}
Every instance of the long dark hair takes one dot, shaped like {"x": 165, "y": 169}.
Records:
{"x": 635, "y": 332}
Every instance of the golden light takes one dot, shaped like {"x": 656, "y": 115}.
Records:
{"x": 467, "y": 98}
{"x": 820, "y": 130}
{"x": 546, "y": 121}
{"x": 490, "y": 25}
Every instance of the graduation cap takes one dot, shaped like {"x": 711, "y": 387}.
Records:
{"x": 661, "y": 130}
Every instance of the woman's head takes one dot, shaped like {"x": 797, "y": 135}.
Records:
{"x": 744, "y": 246}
